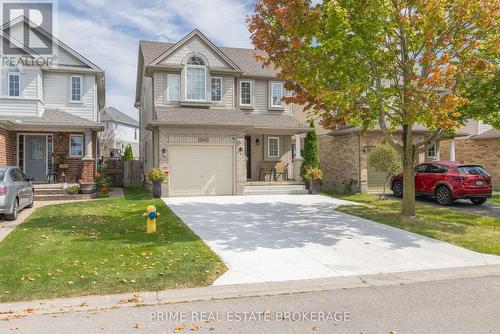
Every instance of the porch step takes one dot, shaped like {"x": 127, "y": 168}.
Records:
{"x": 63, "y": 197}
{"x": 275, "y": 189}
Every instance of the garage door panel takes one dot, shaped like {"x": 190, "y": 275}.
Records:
{"x": 201, "y": 170}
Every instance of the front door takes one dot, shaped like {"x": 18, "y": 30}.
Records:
{"x": 35, "y": 157}
{"x": 248, "y": 145}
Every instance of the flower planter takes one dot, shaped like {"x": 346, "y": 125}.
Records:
{"x": 156, "y": 189}
{"x": 314, "y": 187}
{"x": 87, "y": 187}
{"x": 103, "y": 189}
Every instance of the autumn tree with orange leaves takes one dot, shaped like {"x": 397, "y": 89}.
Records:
{"x": 391, "y": 63}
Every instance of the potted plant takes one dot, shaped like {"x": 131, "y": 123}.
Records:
{"x": 63, "y": 161}
{"x": 101, "y": 179}
{"x": 315, "y": 176}
{"x": 157, "y": 176}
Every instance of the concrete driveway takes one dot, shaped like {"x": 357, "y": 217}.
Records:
{"x": 291, "y": 237}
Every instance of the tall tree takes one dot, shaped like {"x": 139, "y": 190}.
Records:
{"x": 387, "y": 63}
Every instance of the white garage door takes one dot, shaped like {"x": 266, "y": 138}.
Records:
{"x": 199, "y": 170}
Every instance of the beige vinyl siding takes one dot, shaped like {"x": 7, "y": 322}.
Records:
{"x": 29, "y": 83}
{"x": 227, "y": 101}
{"x": 260, "y": 91}
{"x": 196, "y": 45}
{"x": 160, "y": 88}
{"x": 56, "y": 93}
{"x": 66, "y": 59}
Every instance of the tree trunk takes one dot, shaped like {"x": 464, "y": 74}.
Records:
{"x": 408, "y": 208}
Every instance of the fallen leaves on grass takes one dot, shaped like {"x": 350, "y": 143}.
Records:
{"x": 27, "y": 277}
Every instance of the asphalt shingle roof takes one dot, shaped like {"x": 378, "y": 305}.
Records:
{"x": 56, "y": 117}
{"x": 110, "y": 114}
{"x": 244, "y": 58}
{"x": 490, "y": 134}
{"x": 194, "y": 116}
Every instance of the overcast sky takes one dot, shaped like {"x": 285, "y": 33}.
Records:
{"x": 107, "y": 32}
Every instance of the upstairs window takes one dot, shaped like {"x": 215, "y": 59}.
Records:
{"x": 276, "y": 95}
{"x": 14, "y": 86}
{"x": 245, "y": 93}
{"x": 173, "y": 87}
{"x": 76, "y": 89}
{"x": 196, "y": 73}
{"x": 216, "y": 89}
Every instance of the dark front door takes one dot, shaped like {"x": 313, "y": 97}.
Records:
{"x": 35, "y": 157}
{"x": 248, "y": 145}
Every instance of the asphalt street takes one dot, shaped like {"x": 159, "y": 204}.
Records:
{"x": 467, "y": 305}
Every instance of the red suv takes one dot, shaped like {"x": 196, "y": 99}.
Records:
{"x": 447, "y": 181}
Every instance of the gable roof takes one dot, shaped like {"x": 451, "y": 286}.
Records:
{"x": 151, "y": 52}
{"x": 110, "y": 114}
{"x": 186, "y": 38}
{"x": 490, "y": 134}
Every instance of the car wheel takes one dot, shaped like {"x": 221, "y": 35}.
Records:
{"x": 15, "y": 211}
{"x": 478, "y": 201}
{"x": 443, "y": 196}
{"x": 397, "y": 189}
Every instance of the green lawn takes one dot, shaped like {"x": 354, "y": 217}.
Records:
{"x": 100, "y": 247}
{"x": 470, "y": 231}
{"x": 496, "y": 198}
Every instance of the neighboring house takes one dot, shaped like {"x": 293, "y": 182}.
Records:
{"x": 479, "y": 143}
{"x": 49, "y": 114}
{"x": 120, "y": 130}
{"x": 344, "y": 153}
{"x": 211, "y": 115}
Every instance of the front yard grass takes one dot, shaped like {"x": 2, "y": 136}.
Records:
{"x": 100, "y": 247}
{"x": 495, "y": 199}
{"x": 477, "y": 233}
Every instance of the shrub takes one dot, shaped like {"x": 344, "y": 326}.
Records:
{"x": 101, "y": 177}
{"x": 128, "y": 154}
{"x": 73, "y": 190}
{"x": 310, "y": 153}
{"x": 157, "y": 174}
{"x": 385, "y": 159}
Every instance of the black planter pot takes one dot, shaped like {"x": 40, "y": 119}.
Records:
{"x": 156, "y": 189}
{"x": 314, "y": 186}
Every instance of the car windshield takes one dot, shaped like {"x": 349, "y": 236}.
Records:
{"x": 473, "y": 170}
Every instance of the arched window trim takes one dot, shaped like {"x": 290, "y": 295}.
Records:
{"x": 194, "y": 65}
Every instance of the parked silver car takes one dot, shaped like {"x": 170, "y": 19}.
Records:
{"x": 16, "y": 192}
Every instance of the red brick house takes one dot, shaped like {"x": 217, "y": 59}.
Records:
{"x": 49, "y": 114}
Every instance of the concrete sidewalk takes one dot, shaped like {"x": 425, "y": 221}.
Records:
{"x": 173, "y": 296}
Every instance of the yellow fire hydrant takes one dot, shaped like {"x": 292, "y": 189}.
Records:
{"x": 151, "y": 215}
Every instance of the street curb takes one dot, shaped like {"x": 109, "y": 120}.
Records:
{"x": 173, "y": 296}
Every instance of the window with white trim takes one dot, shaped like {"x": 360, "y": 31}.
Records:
{"x": 196, "y": 79}
{"x": 431, "y": 151}
{"x": 76, "y": 145}
{"x": 14, "y": 84}
{"x": 173, "y": 87}
{"x": 75, "y": 84}
{"x": 245, "y": 93}
{"x": 273, "y": 147}
{"x": 216, "y": 89}
{"x": 276, "y": 94}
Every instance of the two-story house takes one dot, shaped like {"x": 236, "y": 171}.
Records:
{"x": 120, "y": 130}
{"x": 49, "y": 113}
{"x": 212, "y": 116}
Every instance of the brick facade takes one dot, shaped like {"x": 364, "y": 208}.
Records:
{"x": 257, "y": 154}
{"x": 7, "y": 148}
{"x": 79, "y": 169}
{"x": 485, "y": 152}
{"x": 344, "y": 159}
